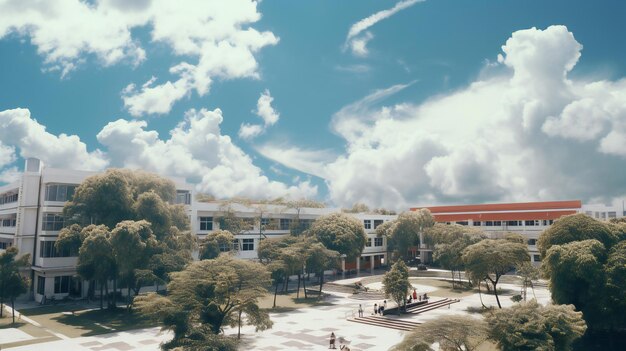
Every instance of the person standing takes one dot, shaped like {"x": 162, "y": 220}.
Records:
{"x": 385, "y": 304}
{"x": 360, "y": 310}
{"x": 414, "y": 294}
{"x": 375, "y": 308}
{"x": 332, "y": 341}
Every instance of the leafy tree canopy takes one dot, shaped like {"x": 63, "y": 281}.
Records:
{"x": 406, "y": 230}
{"x": 452, "y": 332}
{"x": 530, "y": 326}
{"x": 577, "y": 227}
{"x": 341, "y": 233}
{"x": 396, "y": 283}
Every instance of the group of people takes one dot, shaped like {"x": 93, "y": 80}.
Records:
{"x": 380, "y": 309}
{"x": 415, "y": 297}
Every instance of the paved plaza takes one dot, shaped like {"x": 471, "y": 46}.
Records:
{"x": 302, "y": 329}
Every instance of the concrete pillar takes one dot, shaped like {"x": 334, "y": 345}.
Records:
{"x": 372, "y": 263}
{"x": 358, "y": 265}
{"x": 343, "y": 266}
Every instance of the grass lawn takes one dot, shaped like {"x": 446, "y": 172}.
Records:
{"x": 75, "y": 322}
{"x": 289, "y": 302}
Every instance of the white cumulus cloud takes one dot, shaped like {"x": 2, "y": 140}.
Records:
{"x": 198, "y": 151}
{"x": 216, "y": 37}
{"x": 266, "y": 112}
{"x": 19, "y": 131}
{"x": 531, "y": 133}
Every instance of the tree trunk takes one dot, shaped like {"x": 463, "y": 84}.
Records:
{"x": 452, "y": 272}
{"x": 13, "y": 309}
{"x": 321, "y": 282}
{"x": 128, "y": 299}
{"x": 495, "y": 291}
{"x": 304, "y": 286}
{"x": 106, "y": 291}
{"x": 101, "y": 296}
{"x": 1, "y": 307}
{"x": 298, "y": 293}
{"x": 275, "y": 293}
{"x": 239, "y": 328}
{"x": 480, "y": 295}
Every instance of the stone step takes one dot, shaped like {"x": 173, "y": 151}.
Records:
{"x": 384, "y": 322}
{"x": 432, "y": 306}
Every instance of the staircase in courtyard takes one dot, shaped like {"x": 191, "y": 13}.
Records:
{"x": 350, "y": 289}
{"x": 431, "y": 305}
{"x": 385, "y": 322}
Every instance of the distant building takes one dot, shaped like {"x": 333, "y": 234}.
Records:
{"x": 526, "y": 218}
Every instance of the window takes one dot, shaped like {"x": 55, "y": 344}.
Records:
{"x": 236, "y": 244}
{"x": 532, "y": 242}
{"x": 7, "y": 198}
{"x": 512, "y": 223}
{"x": 41, "y": 285}
{"x": 285, "y": 223}
{"x": 368, "y": 243}
{"x": 52, "y": 221}
{"x": 60, "y": 192}
{"x": 612, "y": 214}
{"x": 477, "y": 223}
{"x": 378, "y": 241}
{"x": 589, "y": 213}
{"x": 8, "y": 222}
{"x": 536, "y": 258}
{"x": 47, "y": 250}
{"x": 462, "y": 223}
{"x": 596, "y": 215}
{"x": 206, "y": 223}
{"x": 367, "y": 224}
{"x": 62, "y": 284}
{"x": 529, "y": 223}
{"x": 489, "y": 223}
{"x": 265, "y": 222}
{"x": 603, "y": 215}
{"x": 547, "y": 222}
{"x": 248, "y": 245}
{"x": 497, "y": 223}
{"x": 183, "y": 197}
{"x": 4, "y": 245}
{"x": 224, "y": 247}
{"x": 377, "y": 222}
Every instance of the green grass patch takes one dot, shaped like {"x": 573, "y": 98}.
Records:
{"x": 104, "y": 321}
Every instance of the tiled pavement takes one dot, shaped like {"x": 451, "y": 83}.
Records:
{"x": 302, "y": 329}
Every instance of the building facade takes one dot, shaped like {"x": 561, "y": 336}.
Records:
{"x": 526, "y": 218}
{"x": 31, "y": 217}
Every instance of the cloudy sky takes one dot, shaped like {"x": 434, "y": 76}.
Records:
{"x": 388, "y": 103}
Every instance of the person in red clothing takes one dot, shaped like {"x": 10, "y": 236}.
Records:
{"x": 414, "y": 295}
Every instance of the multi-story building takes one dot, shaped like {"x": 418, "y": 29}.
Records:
{"x": 31, "y": 217}
{"x": 526, "y": 218}
{"x": 263, "y": 221}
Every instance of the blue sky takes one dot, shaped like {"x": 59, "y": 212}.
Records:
{"x": 423, "y": 113}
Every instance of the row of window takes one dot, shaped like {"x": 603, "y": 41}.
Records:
{"x": 5, "y": 245}
{"x": 367, "y": 223}
{"x": 528, "y": 223}
{"x": 47, "y": 250}
{"x": 60, "y": 192}
{"x": 602, "y": 215}
{"x": 8, "y": 198}
{"x": 206, "y": 223}
{"x": 8, "y": 222}
{"x": 61, "y": 284}
{"x": 183, "y": 197}
{"x": 377, "y": 242}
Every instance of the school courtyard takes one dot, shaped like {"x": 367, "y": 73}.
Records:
{"x": 298, "y": 324}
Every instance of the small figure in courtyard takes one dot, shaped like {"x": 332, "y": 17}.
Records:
{"x": 384, "y": 303}
{"x": 425, "y": 296}
{"x": 414, "y": 294}
{"x": 344, "y": 348}
{"x": 360, "y": 310}
{"x": 332, "y": 341}
{"x": 375, "y": 308}
{"x": 410, "y": 299}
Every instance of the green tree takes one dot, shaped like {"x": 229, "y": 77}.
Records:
{"x": 576, "y": 227}
{"x": 491, "y": 259}
{"x": 406, "y": 231}
{"x": 215, "y": 243}
{"x": 132, "y": 243}
{"x": 208, "y": 295}
{"x": 530, "y": 326}
{"x": 341, "y": 233}
{"x": 12, "y": 283}
{"x": 528, "y": 273}
{"x": 95, "y": 259}
{"x": 452, "y": 332}
{"x": 582, "y": 257}
{"x": 70, "y": 239}
{"x": 396, "y": 283}
{"x": 450, "y": 241}
{"x": 320, "y": 259}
